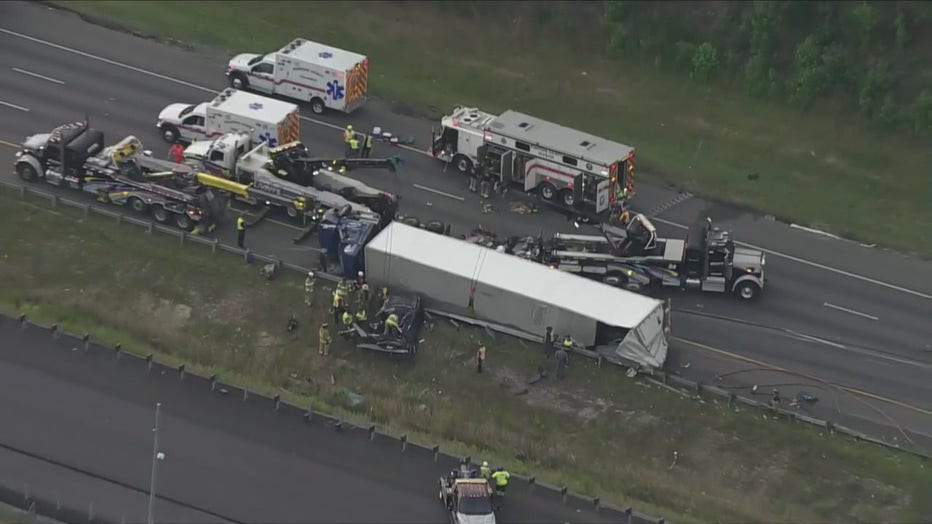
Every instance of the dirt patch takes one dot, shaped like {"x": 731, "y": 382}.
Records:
{"x": 553, "y": 396}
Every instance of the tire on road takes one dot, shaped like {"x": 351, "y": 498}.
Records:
{"x": 239, "y": 81}
{"x": 138, "y": 206}
{"x": 462, "y": 164}
{"x": 547, "y": 191}
{"x": 160, "y": 214}
{"x": 747, "y": 290}
{"x": 26, "y": 172}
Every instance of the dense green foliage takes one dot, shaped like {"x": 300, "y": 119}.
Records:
{"x": 874, "y": 57}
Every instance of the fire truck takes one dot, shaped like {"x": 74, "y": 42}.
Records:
{"x": 73, "y": 155}
{"x": 566, "y": 168}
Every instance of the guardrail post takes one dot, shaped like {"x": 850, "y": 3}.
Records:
{"x": 830, "y": 426}
{"x": 597, "y": 503}
{"x": 563, "y": 491}
{"x": 599, "y": 361}
{"x": 150, "y": 227}
{"x": 246, "y": 255}
{"x": 436, "y": 450}
{"x": 732, "y": 398}
{"x": 22, "y": 191}
{"x": 213, "y": 247}
{"x": 87, "y": 210}
{"x": 245, "y": 394}
{"x": 22, "y": 321}
{"x": 699, "y": 389}
{"x": 149, "y": 362}
{"x": 183, "y": 235}
{"x": 213, "y": 382}
{"x": 339, "y": 425}
{"x": 117, "y": 350}
{"x": 119, "y": 218}
{"x": 628, "y": 512}
{"x": 54, "y": 201}
{"x": 663, "y": 378}
{"x": 278, "y": 401}
{"x": 309, "y": 414}
{"x": 371, "y": 432}
{"x": 87, "y": 341}
{"x": 181, "y": 372}
{"x": 532, "y": 481}
{"x": 404, "y": 443}
{"x": 55, "y": 331}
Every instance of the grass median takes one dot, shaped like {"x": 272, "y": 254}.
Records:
{"x": 822, "y": 169}
{"x": 598, "y": 432}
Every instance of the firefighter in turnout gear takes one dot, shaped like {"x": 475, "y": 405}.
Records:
{"x": 324, "y": 340}
{"x": 338, "y": 305}
{"x": 391, "y": 323}
{"x": 361, "y": 315}
{"x": 309, "y": 284}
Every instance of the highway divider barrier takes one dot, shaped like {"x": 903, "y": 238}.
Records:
{"x": 677, "y": 384}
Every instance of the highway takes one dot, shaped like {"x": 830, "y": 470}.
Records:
{"x": 835, "y": 312}
{"x": 83, "y": 435}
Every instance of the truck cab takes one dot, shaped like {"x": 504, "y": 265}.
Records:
{"x": 459, "y": 138}
{"x": 186, "y": 122}
{"x": 219, "y": 156}
{"x": 712, "y": 263}
{"x": 254, "y": 71}
{"x": 59, "y": 157}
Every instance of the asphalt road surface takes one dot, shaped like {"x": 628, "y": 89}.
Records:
{"x": 80, "y": 432}
{"x": 836, "y": 315}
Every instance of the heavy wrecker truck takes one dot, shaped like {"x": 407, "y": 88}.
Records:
{"x": 634, "y": 257}
{"x": 73, "y": 155}
{"x": 289, "y": 171}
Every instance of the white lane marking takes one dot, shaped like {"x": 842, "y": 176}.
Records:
{"x": 815, "y": 231}
{"x": 37, "y": 75}
{"x": 810, "y": 338}
{"x": 810, "y": 263}
{"x": 439, "y": 192}
{"x": 14, "y": 106}
{"x": 851, "y": 311}
{"x": 333, "y": 126}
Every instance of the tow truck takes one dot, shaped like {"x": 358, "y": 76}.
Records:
{"x": 634, "y": 257}
{"x": 467, "y": 497}
{"x": 288, "y": 171}
{"x": 73, "y": 155}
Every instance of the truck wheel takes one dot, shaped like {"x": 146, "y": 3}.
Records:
{"x": 435, "y": 226}
{"x": 463, "y": 164}
{"x": 238, "y": 81}
{"x": 411, "y": 221}
{"x": 317, "y": 106}
{"x": 183, "y": 221}
{"x": 615, "y": 279}
{"x": 568, "y": 198}
{"x": 548, "y": 192}
{"x": 170, "y": 133}
{"x": 26, "y": 172}
{"x": 291, "y": 212}
{"x": 159, "y": 214}
{"x": 137, "y": 205}
{"x": 747, "y": 290}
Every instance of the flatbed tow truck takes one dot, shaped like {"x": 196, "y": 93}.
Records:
{"x": 73, "y": 155}
{"x": 467, "y": 497}
{"x": 289, "y": 171}
{"x": 633, "y": 257}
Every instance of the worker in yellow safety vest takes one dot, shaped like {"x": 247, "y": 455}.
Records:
{"x": 501, "y": 481}
{"x": 347, "y": 319}
{"x": 240, "y": 232}
{"x": 324, "y": 340}
{"x": 485, "y": 471}
{"x": 354, "y": 148}
{"x": 361, "y": 314}
{"x": 348, "y": 134}
{"x": 391, "y": 323}
{"x": 338, "y": 305}
{"x": 367, "y": 146}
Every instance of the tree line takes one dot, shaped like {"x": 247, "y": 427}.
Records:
{"x": 874, "y": 57}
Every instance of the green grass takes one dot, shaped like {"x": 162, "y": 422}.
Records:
{"x": 822, "y": 169}
{"x": 597, "y": 432}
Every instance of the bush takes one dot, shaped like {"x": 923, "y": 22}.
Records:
{"x": 809, "y": 79}
{"x": 900, "y": 29}
{"x": 705, "y": 61}
{"x": 864, "y": 21}
{"x": 920, "y": 114}
{"x": 874, "y": 89}
{"x": 889, "y": 114}
{"x": 684, "y": 52}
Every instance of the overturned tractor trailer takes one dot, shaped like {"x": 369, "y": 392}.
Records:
{"x": 465, "y": 279}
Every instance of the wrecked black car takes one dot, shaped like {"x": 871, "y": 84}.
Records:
{"x": 401, "y": 341}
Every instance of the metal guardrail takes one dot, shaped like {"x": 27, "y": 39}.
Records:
{"x": 692, "y": 389}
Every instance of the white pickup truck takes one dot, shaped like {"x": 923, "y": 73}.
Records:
{"x": 264, "y": 119}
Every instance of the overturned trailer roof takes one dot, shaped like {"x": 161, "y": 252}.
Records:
{"x": 468, "y": 279}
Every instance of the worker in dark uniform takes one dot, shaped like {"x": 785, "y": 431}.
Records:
{"x": 562, "y": 360}
{"x": 548, "y": 341}
{"x": 240, "y": 232}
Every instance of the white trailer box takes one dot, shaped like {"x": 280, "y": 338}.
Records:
{"x": 264, "y": 119}
{"x": 470, "y": 280}
{"x": 322, "y": 75}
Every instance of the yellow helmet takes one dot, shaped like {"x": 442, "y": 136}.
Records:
{"x": 349, "y": 127}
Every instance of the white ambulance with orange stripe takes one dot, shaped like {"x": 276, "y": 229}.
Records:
{"x": 267, "y": 120}
{"x": 321, "y": 75}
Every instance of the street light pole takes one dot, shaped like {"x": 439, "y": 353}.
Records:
{"x": 156, "y": 456}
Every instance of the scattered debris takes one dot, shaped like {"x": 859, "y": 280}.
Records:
{"x": 631, "y": 373}
{"x": 675, "y": 456}
{"x": 354, "y": 399}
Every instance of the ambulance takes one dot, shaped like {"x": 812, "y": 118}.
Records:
{"x": 265, "y": 119}
{"x": 321, "y": 75}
